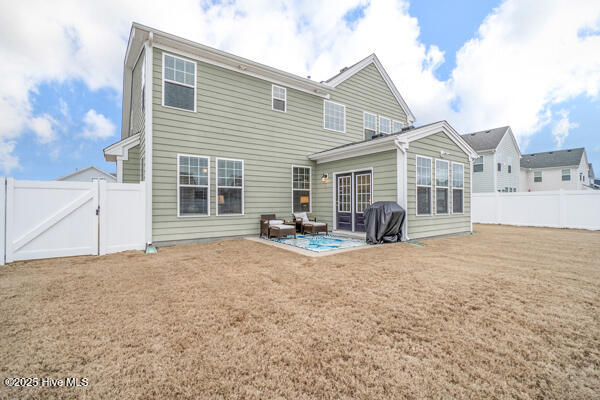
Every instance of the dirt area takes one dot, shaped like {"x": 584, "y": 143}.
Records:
{"x": 505, "y": 313}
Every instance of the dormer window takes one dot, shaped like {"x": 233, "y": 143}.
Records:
{"x": 179, "y": 83}
{"x": 278, "y": 98}
{"x": 385, "y": 125}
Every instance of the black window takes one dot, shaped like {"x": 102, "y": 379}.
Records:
{"x": 499, "y": 167}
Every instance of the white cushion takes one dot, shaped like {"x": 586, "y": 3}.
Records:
{"x": 317, "y": 223}
{"x": 302, "y": 216}
{"x": 275, "y": 222}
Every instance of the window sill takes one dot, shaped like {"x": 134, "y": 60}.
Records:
{"x": 179, "y": 109}
{"x": 193, "y": 216}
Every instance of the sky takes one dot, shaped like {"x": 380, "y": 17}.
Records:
{"x": 479, "y": 64}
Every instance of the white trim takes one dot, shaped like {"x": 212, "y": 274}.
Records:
{"x": 364, "y": 123}
{"x": 148, "y": 138}
{"x": 284, "y": 98}
{"x": 447, "y": 187}
{"x": 142, "y": 168}
{"x": 372, "y": 59}
{"x": 179, "y": 155}
{"x": 304, "y": 190}
{"x": 339, "y": 104}
{"x": 470, "y": 195}
{"x": 430, "y": 186}
{"x": 334, "y": 191}
{"x": 120, "y": 148}
{"x": 355, "y": 175}
{"x": 228, "y": 187}
{"x": 389, "y": 120}
{"x": 397, "y": 122}
{"x": 389, "y": 143}
{"x": 461, "y": 188}
{"x": 194, "y": 86}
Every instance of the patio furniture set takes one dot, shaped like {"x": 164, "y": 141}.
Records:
{"x": 272, "y": 226}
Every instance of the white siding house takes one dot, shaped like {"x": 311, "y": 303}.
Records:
{"x": 554, "y": 170}
{"x": 497, "y": 168}
{"x": 88, "y": 174}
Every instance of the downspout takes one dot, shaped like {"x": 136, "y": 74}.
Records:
{"x": 402, "y": 181}
{"x": 148, "y": 136}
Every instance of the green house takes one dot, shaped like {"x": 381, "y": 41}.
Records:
{"x": 219, "y": 140}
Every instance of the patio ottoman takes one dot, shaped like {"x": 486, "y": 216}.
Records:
{"x": 314, "y": 227}
{"x": 282, "y": 230}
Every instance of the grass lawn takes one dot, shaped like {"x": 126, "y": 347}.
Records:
{"x": 506, "y": 313}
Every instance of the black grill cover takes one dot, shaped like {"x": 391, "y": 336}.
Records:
{"x": 383, "y": 221}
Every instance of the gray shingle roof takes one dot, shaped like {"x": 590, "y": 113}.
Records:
{"x": 485, "y": 140}
{"x": 549, "y": 159}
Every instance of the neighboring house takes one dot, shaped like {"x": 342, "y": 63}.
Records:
{"x": 554, "y": 170}
{"x": 88, "y": 174}
{"x": 219, "y": 140}
{"x": 497, "y": 167}
{"x": 592, "y": 177}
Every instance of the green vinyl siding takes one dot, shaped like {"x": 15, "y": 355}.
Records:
{"x": 434, "y": 225}
{"x": 234, "y": 120}
{"x": 385, "y": 172}
{"x": 131, "y": 166}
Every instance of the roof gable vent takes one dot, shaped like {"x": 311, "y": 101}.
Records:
{"x": 568, "y": 151}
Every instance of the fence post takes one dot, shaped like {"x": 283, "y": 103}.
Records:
{"x": 498, "y": 207}
{"x": 2, "y": 220}
{"x": 102, "y": 206}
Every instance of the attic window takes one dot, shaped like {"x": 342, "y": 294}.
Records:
{"x": 370, "y": 124}
{"x": 397, "y": 126}
{"x": 385, "y": 125}
{"x": 278, "y": 98}
{"x": 179, "y": 83}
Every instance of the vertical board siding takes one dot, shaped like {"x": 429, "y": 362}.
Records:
{"x": 384, "y": 181}
{"x": 434, "y": 225}
{"x": 234, "y": 120}
{"x": 131, "y": 166}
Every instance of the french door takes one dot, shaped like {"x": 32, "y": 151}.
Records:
{"x": 353, "y": 196}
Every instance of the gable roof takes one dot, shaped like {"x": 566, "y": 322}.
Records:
{"x": 79, "y": 171}
{"x": 550, "y": 159}
{"x": 348, "y": 72}
{"x": 391, "y": 141}
{"x": 487, "y": 139}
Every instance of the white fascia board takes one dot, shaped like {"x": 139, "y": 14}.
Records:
{"x": 197, "y": 51}
{"x": 445, "y": 127}
{"x": 372, "y": 59}
{"x": 79, "y": 171}
{"x": 120, "y": 149}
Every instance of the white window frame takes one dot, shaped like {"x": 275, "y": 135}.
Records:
{"x": 164, "y": 54}
{"x": 386, "y": 118}
{"x": 339, "y": 104}
{"x": 303, "y": 190}
{"x": 365, "y": 122}
{"x": 355, "y": 192}
{"x": 397, "y": 122}
{"x": 143, "y": 167}
{"x": 217, "y": 187}
{"x": 541, "y": 176}
{"x": 476, "y": 163}
{"x": 417, "y": 186}
{"x": 179, "y": 155}
{"x": 284, "y": 98}
{"x": 462, "y": 207}
{"x": 562, "y": 175}
{"x": 447, "y": 187}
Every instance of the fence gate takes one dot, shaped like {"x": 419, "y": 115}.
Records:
{"x": 50, "y": 219}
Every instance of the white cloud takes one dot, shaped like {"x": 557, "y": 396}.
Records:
{"x": 525, "y": 60}
{"x": 562, "y": 127}
{"x": 43, "y": 127}
{"x": 97, "y": 126}
{"x": 8, "y": 161}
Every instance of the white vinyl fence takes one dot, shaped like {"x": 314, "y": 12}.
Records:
{"x": 42, "y": 219}
{"x": 558, "y": 209}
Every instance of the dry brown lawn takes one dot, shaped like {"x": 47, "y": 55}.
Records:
{"x": 505, "y": 313}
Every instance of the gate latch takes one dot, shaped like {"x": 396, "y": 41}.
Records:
{"x": 98, "y": 210}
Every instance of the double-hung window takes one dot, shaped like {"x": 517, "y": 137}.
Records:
{"x": 458, "y": 177}
{"x": 509, "y": 165}
{"x": 566, "y": 174}
{"x": 230, "y": 187}
{"x": 397, "y": 126}
{"x": 334, "y": 116}
{"x": 301, "y": 195}
{"x": 193, "y": 186}
{"x": 478, "y": 164}
{"x": 385, "y": 125}
{"x": 537, "y": 176}
{"x": 442, "y": 176}
{"x": 278, "y": 98}
{"x": 370, "y": 124}
{"x": 424, "y": 198}
{"x": 179, "y": 83}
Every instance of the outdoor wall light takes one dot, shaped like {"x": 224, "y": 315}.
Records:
{"x": 325, "y": 178}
